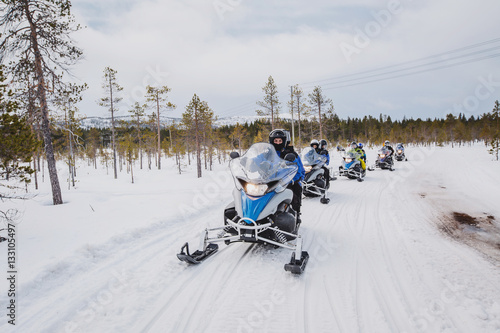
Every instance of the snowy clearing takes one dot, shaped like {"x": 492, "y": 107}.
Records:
{"x": 414, "y": 250}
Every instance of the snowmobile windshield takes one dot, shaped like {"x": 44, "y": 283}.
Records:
{"x": 310, "y": 157}
{"x": 352, "y": 154}
{"x": 384, "y": 151}
{"x": 399, "y": 146}
{"x": 262, "y": 165}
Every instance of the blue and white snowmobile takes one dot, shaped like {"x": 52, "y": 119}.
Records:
{"x": 384, "y": 159}
{"x": 400, "y": 153}
{"x": 314, "y": 184}
{"x": 351, "y": 166}
{"x": 261, "y": 211}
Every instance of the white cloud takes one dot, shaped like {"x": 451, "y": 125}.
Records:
{"x": 226, "y": 62}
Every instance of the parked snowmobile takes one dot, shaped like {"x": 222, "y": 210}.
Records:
{"x": 384, "y": 159}
{"x": 314, "y": 184}
{"x": 261, "y": 211}
{"x": 351, "y": 166}
{"x": 400, "y": 153}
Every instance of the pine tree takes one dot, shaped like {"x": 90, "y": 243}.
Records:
{"x": 111, "y": 88}
{"x": 18, "y": 142}
{"x": 37, "y": 42}
{"x": 495, "y": 137}
{"x": 66, "y": 100}
{"x": 271, "y": 103}
{"x": 197, "y": 119}
{"x": 158, "y": 96}
{"x": 138, "y": 113}
{"x": 318, "y": 101}
{"x": 237, "y": 136}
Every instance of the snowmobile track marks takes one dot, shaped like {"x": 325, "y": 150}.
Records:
{"x": 193, "y": 283}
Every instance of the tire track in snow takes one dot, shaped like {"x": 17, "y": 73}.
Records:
{"x": 127, "y": 253}
{"x": 208, "y": 276}
{"x": 379, "y": 289}
{"x": 328, "y": 221}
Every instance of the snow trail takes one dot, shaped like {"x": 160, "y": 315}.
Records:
{"x": 378, "y": 263}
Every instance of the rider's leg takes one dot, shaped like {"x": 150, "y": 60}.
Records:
{"x": 363, "y": 165}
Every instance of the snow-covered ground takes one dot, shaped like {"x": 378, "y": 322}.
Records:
{"x": 386, "y": 255}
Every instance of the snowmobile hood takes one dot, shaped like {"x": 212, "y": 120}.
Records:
{"x": 252, "y": 206}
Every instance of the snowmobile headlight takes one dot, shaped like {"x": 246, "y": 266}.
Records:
{"x": 400, "y": 151}
{"x": 348, "y": 160}
{"x": 308, "y": 168}
{"x": 382, "y": 155}
{"x": 256, "y": 190}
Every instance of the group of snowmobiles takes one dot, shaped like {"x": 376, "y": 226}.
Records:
{"x": 270, "y": 180}
{"x": 354, "y": 161}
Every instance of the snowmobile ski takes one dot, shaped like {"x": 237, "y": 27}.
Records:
{"x": 198, "y": 256}
{"x": 324, "y": 200}
{"x": 297, "y": 266}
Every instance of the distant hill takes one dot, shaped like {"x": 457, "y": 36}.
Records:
{"x": 105, "y": 122}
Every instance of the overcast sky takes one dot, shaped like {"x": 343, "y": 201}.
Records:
{"x": 225, "y": 50}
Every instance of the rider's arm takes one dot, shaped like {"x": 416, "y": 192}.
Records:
{"x": 301, "y": 171}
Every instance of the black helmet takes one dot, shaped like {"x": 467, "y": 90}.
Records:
{"x": 275, "y": 134}
{"x": 354, "y": 145}
{"x": 322, "y": 144}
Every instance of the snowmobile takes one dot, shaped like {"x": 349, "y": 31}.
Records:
{"x": 351, "y": 166}
{"x": 384, "y": 159}
{"x": 400, "y": 153}
{"x": 261, "y": 211}
{"x": 314, "y": 184}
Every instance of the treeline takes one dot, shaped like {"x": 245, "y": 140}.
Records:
{"x": 179, "y": 140}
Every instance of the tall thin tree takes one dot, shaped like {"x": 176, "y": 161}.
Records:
{"x": 317, "y": 101}
{"x": 138, "y": 113}
{"x": 36, "y": 40}
{"x": 111, "y": 88}
{"x": 271, "y": 103}
{"x": 196, "y": 119}
{"x": 158, "y": 96}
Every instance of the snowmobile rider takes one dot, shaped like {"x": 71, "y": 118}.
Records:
{"x": 315, "y": 144}
{"x": 387, "y": 144}
{"x": 360, "y": 146}
{"x": 355, "y": 149}
{"x": 280, "y": 140}
{"x": 323, "y": 150}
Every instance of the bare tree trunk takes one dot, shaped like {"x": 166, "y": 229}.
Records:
{"x": 198, "y": 149}
{"x": 47, "y": 135}
{"x": 36, "y": 172}
{"x": 298, "y": 113}
{"x": 320, "y": 123}
{"x": 131, "y": 170}
{"x": 113, "y": 127}
{"x": 159, "y": 139}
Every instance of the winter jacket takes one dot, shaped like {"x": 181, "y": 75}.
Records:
{"x": 301, "y": 171}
